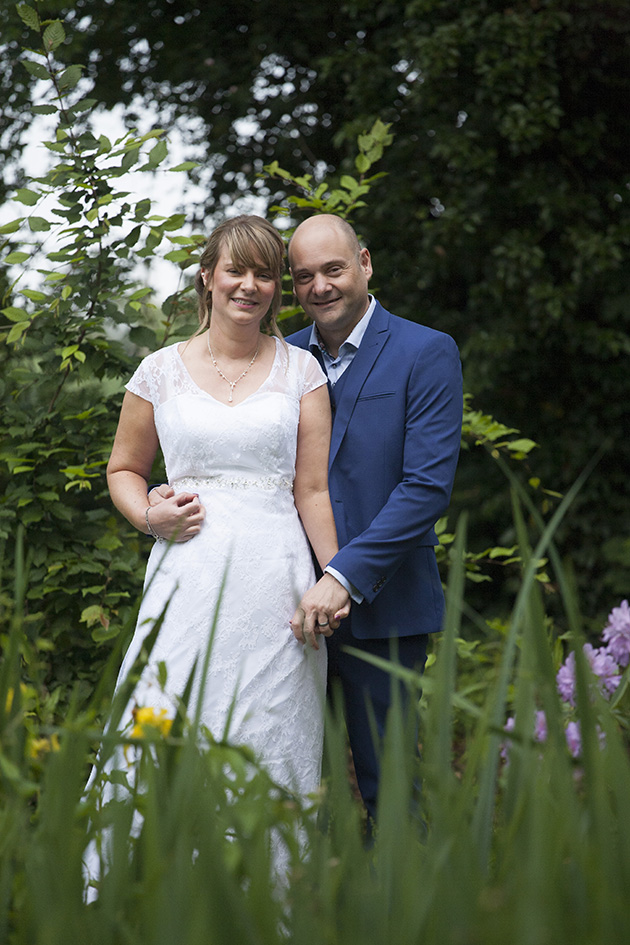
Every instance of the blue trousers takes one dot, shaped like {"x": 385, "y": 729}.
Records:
{"x": 364, "y": 686}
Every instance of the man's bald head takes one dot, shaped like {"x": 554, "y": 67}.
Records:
{"x": 330, "y": 275}
{"x": 321, "y": 222}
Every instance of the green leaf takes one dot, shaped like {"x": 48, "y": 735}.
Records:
{"x": 93, "y": 614}
{"x": 156, "y": 156}
{"x": 141, "y": 293}
{"x": 36, "y": 69}
{"x": 142, "y": 208}
{"x": 348, "y": 182}
{"x": 174, "y": 222}
{"x": 16, "y": 314}
{"x": 70, "y": 76}
{"x": 362, "y": 163}
{"x": 17, "y": 331}
{"x": 16, "y": 257}
{"x": 12, "y": 226}
{"x": 142, "y": 336}
{"x": 58, "y": 147}
{"x": 521, "y": 446}
{"x": 83, "y": 105}
{"x": 44, "y": 109}
{"x": 54, "y": 35}
{"x": 132, "y": 238}
{"x": 130, "y": 158}
{"x": 34, "y": 296}
{"x": 108, "y": 542}
{"x": 38, "y": 224}
{"x": 177, "y": 255}
{"x": 185, "y": 166}
{"x": 28, "y": 15}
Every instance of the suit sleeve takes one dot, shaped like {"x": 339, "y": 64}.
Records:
{"x": 432, "y": 432}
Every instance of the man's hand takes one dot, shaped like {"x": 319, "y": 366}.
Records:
{"x": 320, "y": 611}
{"x": 175, "y": 517}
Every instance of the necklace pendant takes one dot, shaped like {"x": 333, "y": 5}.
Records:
{"x": 221, "y": 374}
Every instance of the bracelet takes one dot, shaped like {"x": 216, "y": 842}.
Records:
{"x": 152, "y": 532}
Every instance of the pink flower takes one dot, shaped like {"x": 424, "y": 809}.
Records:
{"x": 617, "y": 633}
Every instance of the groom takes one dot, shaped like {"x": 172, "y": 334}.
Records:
{"x": 396, "y": 394}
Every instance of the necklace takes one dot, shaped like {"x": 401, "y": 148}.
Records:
{"x": 221, "y": 374}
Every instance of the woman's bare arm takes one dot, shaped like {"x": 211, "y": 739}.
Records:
{"x": 177, "y": 518}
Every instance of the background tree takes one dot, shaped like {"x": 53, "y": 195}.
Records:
{"x": 505, "y": 215}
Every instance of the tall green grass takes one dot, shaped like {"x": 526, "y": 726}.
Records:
{"x": 528, "y": 851}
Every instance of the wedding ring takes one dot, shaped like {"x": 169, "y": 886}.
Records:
{"x": 324, "y": 624}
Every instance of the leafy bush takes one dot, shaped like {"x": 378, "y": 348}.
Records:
{"x": 68, "y": 345}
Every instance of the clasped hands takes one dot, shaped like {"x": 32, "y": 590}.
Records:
{"x": 175, "y": 517}
{"x": 320, "y": 611}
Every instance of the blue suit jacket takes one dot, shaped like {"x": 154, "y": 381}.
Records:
{"x": 393, "y": 452}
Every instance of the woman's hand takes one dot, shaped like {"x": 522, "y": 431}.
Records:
{"x": 175, "y": 517}
{"x": 320, "y": 611}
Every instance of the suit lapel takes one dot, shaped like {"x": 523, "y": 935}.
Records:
{"x": 374, "y": 340}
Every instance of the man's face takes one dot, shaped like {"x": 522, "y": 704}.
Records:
{"x": 330, "y": 280}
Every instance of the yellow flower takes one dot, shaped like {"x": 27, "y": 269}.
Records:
{"x": 25, "y": 691}
{"x": 146, "y": 720}
{"x": 39, "y": 746}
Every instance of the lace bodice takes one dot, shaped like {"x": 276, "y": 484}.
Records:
{"x": 202, "y": 437}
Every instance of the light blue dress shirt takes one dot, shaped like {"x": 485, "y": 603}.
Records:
{"x": 336, "y": 366}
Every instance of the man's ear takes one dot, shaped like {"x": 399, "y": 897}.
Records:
{"x": 365, "y": 261}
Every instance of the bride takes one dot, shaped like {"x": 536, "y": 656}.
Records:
{"x": 243, "y": 422}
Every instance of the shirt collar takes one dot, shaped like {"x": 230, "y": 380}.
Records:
{"x": 355, "y": 337}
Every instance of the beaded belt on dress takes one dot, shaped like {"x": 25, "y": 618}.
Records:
{"x": 269, "y": 483}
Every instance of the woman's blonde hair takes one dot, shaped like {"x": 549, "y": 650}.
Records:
{"x": 251, "y": 242}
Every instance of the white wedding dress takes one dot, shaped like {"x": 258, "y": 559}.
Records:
{"x": 244, "y": 573}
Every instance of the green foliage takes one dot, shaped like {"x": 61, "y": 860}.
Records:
{"x": 190, "y": 843}
{"x": 67, "y": 345}
{"x": 345, "y": 199}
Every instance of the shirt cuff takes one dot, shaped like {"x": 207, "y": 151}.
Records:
{"x": 354, "y": 592}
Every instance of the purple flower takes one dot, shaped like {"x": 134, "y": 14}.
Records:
{"x": 509, "y": 727}
{"x": 574, "y": 738}
{"x": 617, "y": 633}
{"x": 540, "y": 730}
{"x": 565, "y": 679}
{"x": 602, "y": 665}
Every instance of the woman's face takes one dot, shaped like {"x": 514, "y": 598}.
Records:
{"x": 240, "y": 294}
